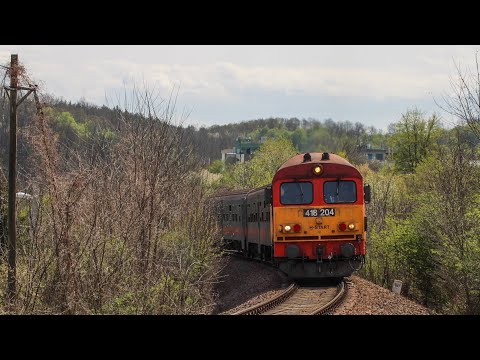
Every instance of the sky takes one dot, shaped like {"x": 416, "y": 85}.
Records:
{"x": 220, "y": 84}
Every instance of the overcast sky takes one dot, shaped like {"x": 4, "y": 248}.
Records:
{"x": 221, "y": 84}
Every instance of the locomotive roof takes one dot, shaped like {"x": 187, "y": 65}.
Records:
{"x": 297, "y": 167}
{"x": 316, "y": 158}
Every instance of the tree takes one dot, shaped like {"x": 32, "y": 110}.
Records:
{"x": 260, "y": 170}
{"x": 447, "y": 187}
{"x": 121, "y": 234}
{"x": 465, "y": 101}
{"x": 412, "y": 138}
{"x": 216, "y": 167}
{"x": 299, "y": 138}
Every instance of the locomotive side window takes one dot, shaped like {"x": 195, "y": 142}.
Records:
{"x": 339, "y": 192}
{"x": 296, "y": 193}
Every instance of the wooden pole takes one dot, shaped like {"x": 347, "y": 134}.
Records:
{"x": 12, "y": 175}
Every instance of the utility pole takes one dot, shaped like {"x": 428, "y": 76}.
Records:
{"x": 12, "y": 176}
{"x": 12, "y": 180}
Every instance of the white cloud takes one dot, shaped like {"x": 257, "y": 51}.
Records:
{"x": 374, "y": 71}
{"x": 223, "y": 79}
{"x": 232, "y": 75}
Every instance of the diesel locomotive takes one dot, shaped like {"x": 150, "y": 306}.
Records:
{"x": 310, "y": 221}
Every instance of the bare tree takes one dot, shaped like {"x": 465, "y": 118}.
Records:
{"x": 126, "y": 233}
{"x": 464, "y": 102}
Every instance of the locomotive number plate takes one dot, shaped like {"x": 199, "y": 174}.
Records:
{"x": 318, "y": 212}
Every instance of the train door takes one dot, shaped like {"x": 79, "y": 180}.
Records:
{"x": 222, "y": 224}
{"x": 259, "y": 236}
{"x": 244, "y": 223}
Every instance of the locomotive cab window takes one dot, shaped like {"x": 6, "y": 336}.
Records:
{"x": 339, "y": 191}
{"x": 295, "y": 193}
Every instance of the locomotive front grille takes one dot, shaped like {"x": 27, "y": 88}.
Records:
{"x": 301, "y": 237}
{"x": 336, "y": 237}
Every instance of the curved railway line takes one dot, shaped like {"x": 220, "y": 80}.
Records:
{"x": 301, "y": 300}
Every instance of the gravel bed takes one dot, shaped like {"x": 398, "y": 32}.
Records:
{"x": 245, "y": 283}
{"x": 366, "y": 298}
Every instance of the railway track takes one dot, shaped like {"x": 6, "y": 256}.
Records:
{"x": 301, "y": 300}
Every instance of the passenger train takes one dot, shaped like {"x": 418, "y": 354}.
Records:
{"x": 310, "y": 221}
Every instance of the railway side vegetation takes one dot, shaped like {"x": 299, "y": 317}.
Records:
{"x": 116, "y": 224}
{"x": 424, "y": 226}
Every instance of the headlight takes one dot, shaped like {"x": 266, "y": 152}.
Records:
{"x": 317, "y": 170}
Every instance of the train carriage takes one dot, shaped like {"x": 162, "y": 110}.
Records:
{"x": 310, "y": 222}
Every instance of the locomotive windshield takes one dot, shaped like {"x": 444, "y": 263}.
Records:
{"x": 296, "y": 193}
{"x": 339, "y": 192}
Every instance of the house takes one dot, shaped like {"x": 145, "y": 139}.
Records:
{"x": 242, "y": 151}
{"x": 228, "y": 154}
{"x": 379, "y": 154}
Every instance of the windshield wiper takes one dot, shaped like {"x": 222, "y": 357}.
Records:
{"x": 338, "y": 185}
{"x": 300, "y": 188}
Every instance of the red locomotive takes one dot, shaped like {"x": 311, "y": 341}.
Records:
{"x": 310, "y": 222}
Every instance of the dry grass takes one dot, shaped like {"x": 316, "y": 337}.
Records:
{"x": 126, "y": 234}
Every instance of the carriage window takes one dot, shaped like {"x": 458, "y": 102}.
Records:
{"x": 296, "y": 193}
{"x": 339, "y": 192}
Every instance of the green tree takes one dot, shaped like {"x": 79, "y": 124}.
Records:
{"x": 423, "y": 228}
{"x": 412, "y": 138}
{"x": 451, "y": 221}
{"x": 260, "y": 170}
{"x": 66, "y": 123}
{"x": 299, "y": 139}
{"x": 216, "y": 167}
